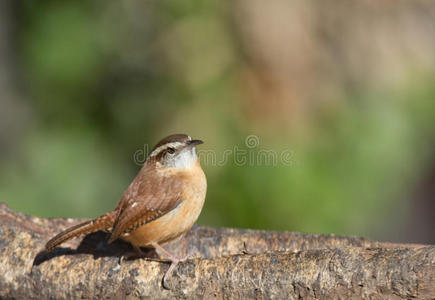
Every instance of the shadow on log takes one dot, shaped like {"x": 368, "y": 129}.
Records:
{"x": 225, "y": 264}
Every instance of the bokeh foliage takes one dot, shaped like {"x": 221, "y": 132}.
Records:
{"x": 103, "y": 78}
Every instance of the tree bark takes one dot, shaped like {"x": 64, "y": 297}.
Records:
{"x": 225, "y": 264}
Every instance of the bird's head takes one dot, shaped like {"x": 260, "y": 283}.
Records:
{"x": 175, "y": 151}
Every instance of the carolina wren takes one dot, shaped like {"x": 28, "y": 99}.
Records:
{"x": 162, "y": 203}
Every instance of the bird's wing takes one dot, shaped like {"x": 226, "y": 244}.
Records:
{"x": 148, "y": 198}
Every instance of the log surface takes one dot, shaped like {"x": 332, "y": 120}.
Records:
{"x": 225, "y": 264}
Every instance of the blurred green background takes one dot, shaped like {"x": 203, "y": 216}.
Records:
{"x": 346, "y": 88}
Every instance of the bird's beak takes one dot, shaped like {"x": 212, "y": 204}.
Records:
{"x": 193, "y": 143}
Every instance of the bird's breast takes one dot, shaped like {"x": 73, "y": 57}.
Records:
{"x": 180, "y": 219}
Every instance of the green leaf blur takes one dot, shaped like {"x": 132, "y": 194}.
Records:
{"x": 348, "y": 98}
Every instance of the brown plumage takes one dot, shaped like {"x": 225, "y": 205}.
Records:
{"x": 101, "y": 223}
{"x": 163, "y": 201}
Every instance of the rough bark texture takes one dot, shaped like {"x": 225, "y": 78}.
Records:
{"x": 226, "y": 264}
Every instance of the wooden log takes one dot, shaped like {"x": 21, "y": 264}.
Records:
{"x": 226, "y": 264}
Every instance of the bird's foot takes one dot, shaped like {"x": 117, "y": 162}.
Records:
{"x": 138, "y": 253}
{"x": 174, "y": 262}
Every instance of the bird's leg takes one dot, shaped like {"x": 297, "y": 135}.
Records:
{"x": 174, "y": 262}
{"x": 138, "y": 253}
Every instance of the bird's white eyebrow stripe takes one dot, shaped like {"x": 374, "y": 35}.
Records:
{"x": 165, "y": 146}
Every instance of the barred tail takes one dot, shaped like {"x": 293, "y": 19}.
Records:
{"x": 104, "y": 222}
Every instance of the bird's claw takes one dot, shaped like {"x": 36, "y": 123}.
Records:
{"x": 174, "y": 263}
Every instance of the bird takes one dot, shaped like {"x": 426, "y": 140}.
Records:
{"x": 161, "y": 204}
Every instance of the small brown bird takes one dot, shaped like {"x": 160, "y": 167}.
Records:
{"x": 162, "y": 203}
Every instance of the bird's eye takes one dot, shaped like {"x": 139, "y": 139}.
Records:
{"x": 171, "y": 150}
